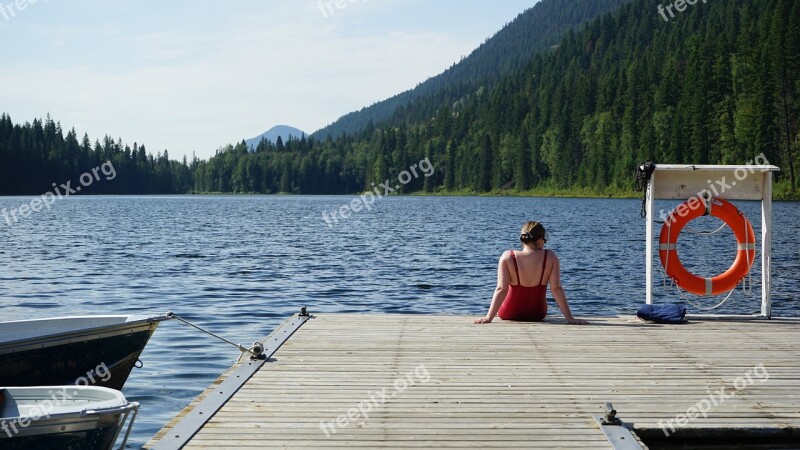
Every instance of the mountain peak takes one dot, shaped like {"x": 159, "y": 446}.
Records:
{"x": 282, "y": 131}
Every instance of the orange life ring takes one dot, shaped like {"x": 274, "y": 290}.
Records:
{"x": 668, "y": 245}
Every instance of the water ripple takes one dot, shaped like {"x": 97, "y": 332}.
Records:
{"x": 240, "y": 265}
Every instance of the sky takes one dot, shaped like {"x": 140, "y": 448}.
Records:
{"x": 193, "y": 76}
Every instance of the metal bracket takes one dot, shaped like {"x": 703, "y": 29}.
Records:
{"x": 179, "y": 435}
{"x": 617, "y": 433}
{"x": 706, "y": 197}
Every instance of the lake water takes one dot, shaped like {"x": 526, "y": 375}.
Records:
{"x": 240, "y": 265}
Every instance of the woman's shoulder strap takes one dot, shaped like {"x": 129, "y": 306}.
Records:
{"x": 544, "y": 266}
{"x": 516, "y": 268}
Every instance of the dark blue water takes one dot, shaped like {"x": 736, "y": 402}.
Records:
{"x": 241, "y": 265}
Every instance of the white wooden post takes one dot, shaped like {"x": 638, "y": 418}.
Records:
{"x": 766, "y": 246}
{"x": 649, "y": 234}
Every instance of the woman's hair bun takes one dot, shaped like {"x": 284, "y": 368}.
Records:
{"x": 532, "y": 232}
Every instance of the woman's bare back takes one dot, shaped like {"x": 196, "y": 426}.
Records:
{"x": 530, "y": 267}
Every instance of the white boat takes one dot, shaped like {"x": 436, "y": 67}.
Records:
{"x": 63, "y": 417}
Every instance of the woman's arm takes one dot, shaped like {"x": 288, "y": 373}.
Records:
{"x": 560, "y": 295}
{"x": 500, "y": 291}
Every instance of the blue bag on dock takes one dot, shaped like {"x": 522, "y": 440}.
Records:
{"x": 663, "y": 313}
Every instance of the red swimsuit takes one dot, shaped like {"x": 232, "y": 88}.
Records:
{"x": 525, "y": 303}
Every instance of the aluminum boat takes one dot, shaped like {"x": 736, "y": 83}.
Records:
{"x": 82, "y": 350}
{"x": 63, "y": 417}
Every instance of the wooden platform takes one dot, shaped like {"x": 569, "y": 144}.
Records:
{"x": 509, "y": 385}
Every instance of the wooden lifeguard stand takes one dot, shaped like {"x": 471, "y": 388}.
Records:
{"x": 731, "y": 182}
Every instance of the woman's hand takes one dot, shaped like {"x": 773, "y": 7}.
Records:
{"x": 483, "y": 320}
{"x": 574, "y": 321}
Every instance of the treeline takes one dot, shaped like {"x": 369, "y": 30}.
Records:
{"x": 717, "y": 84}
{"x": 35, "y": 155}
{"x": 349, "y": 164}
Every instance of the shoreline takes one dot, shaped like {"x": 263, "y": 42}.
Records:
{"x": 781, "y": 192}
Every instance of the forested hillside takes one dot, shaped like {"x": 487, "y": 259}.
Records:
{"x": 508, "y": 50}
{"x": 717, "y": 83}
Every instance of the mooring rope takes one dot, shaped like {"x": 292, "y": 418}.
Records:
{"x": 257, "y": 349}
{"x": 686, "y": 298}
{"x": 704, "y": 233}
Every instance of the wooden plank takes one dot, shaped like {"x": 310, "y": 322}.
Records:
{"x": 506, "y": 385}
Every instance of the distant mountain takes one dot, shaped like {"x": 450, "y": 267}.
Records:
{"x": 539, "y": 28}
{"x": 716, "y": 84}
{"x": 282, "y": 131}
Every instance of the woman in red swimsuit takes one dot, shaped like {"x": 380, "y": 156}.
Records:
{"x": 522, "y": 279}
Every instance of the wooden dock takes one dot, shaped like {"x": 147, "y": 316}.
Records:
{"x": 442, "y": 382}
